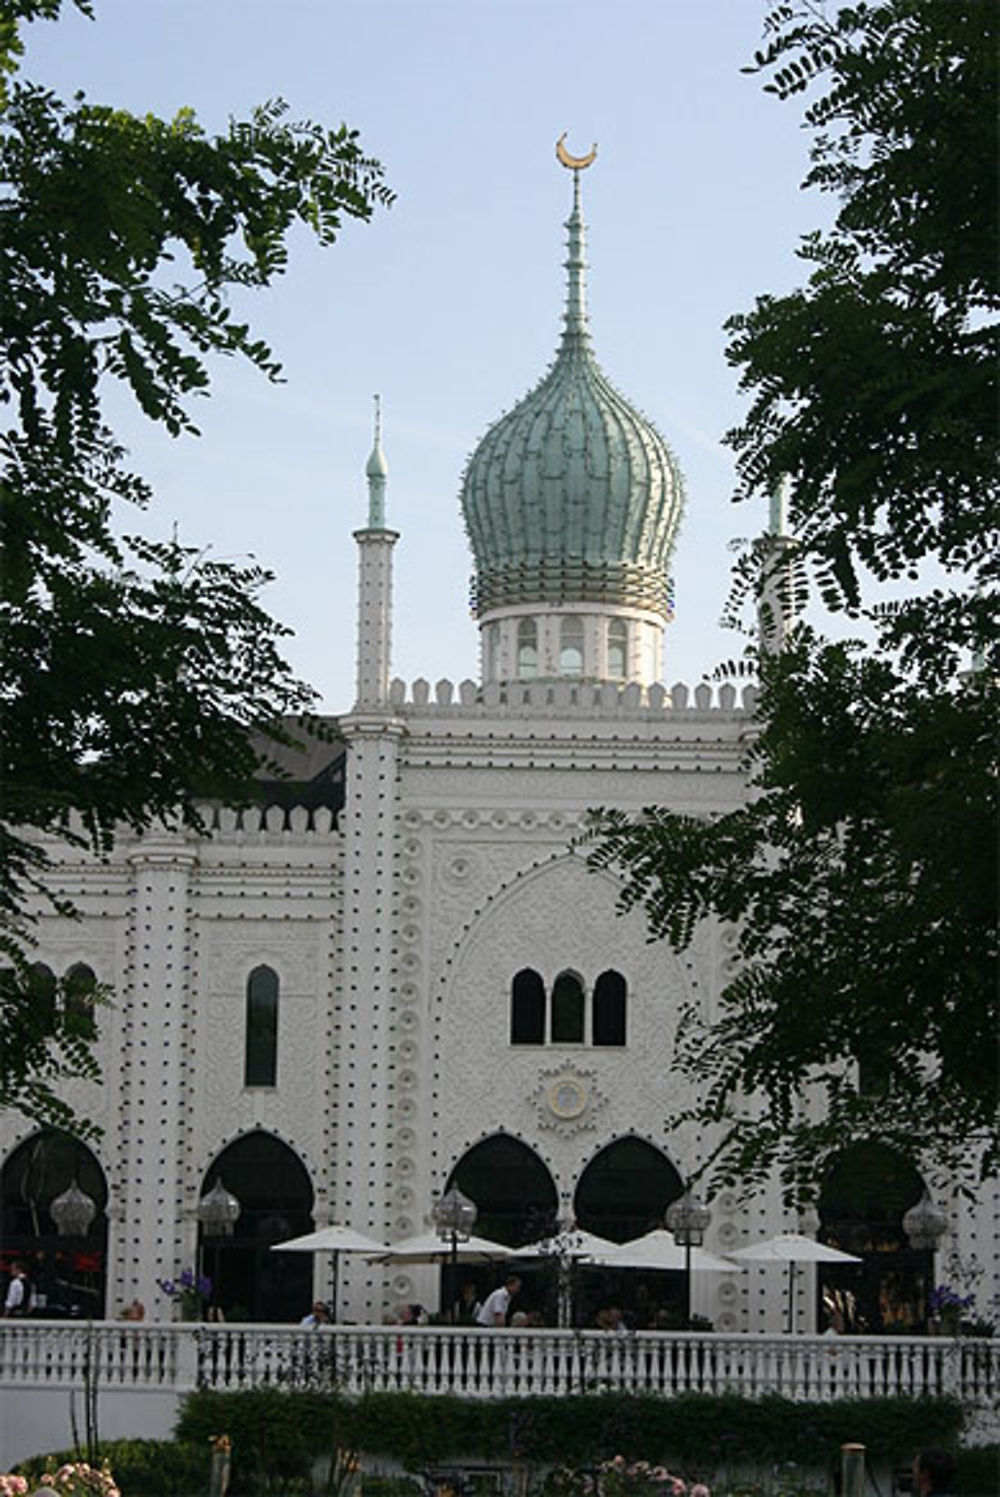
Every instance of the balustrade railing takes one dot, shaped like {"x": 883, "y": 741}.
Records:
{"x": 485, "y": 1364}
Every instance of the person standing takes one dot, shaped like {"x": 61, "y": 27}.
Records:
{"x": 493, "y": 1310}
{"x": 18, "y": 1300}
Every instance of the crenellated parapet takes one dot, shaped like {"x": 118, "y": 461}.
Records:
{"x": 569, "y": 699}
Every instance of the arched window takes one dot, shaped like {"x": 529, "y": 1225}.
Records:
{"x": 527, "y": 1009}
{"x": 617, "y": 649}
{"x": 567, "y": 1010}
{"x": 571, "y": 646}
{"x": 67, "y": 1274}
{"x": 43, "y": 988}
{"x": 511, "y": 1187}
{"x": 527, "y": 649}
{"x": 491, "y": 652}
{"x": 261, "y": 1049}
{"x": 609, "y": 1009}
{"x": 80, "y": 985}
{"x": 625, "y": 1190}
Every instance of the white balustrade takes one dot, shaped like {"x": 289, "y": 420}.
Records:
{"x": 483, "y": 1364}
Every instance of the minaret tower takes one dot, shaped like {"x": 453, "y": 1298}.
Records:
{"x": 375, "y": 545}
{"x": 778, "y": 606}
{"x": 365, "y": 1049}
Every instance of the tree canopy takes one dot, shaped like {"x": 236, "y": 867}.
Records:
{"x": 860, "y": 877}
{"x": 136, "y": 671}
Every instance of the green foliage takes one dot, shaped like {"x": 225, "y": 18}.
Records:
{"x": 136, "y": 672}
{"x": 860, "y": 879}
{"x": 977, "y": 1471}
{"x": 142, "y": 1468}
{"x": 282, "y": 1430}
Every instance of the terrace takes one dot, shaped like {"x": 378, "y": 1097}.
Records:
{"x": 141, "y": 1371}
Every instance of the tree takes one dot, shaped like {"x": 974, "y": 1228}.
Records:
{"x": 138, "y": 675}
{"x": 861, "y": 875}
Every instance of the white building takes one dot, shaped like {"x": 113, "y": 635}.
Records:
{"x": 398, "y": 972}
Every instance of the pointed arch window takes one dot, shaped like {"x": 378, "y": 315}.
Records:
{"x": 567, "y": 1010}
{"x": 527, "y": 649}
{"x": 260, "y": 1067}
{"x": 571, "y": 646}
{"x": 527, "y": 1009}
{"x": 617, "y": 649}
{"x": 43, "y": 984}
{"x": 79, "y": 987}
{"x": 609, "y": 1009}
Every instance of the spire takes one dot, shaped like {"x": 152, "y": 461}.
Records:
{"x": 377, "y": 471}
{"x": 576, "y": 264}
{"x": 777, "y": 526}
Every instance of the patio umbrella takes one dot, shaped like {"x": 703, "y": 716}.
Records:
{"x": 658, "y": 1250}
{"x": 428, "y": 1247}
{"x": 791, "y": 1248}
{"x": 333, "y": 1239}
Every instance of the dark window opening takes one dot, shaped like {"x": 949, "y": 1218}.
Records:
{"x": 567, "y": 1010}
{"x": 527, "y": 1009}
{"x": 261, "y": 1057}
{"x": 609, "y": 1009}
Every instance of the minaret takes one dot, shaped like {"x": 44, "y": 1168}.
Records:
{"x": 375, "y": 545}
{"x": 365, "y": 1065}
{"x": 777, "y": 604}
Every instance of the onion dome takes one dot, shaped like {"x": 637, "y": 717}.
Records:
{"x": 572, "y": 497}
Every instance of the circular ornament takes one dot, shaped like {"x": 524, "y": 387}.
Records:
{"x": 567, "y": 1097}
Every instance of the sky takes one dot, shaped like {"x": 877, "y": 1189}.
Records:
{"x": 449, "y": 303}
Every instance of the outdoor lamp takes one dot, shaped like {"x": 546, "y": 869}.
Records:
{"x": 73, "y": 1212}
{"x": 688, "y": 1220}
{"x": 218, "y": 1211}
{"x": 925, "y": 1224}
{"x": 454, "y": 1216}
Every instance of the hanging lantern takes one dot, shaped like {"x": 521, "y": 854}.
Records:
{"x": 925, "y": 1224}
{"x": 688, "y": 1220}
{"x": 218, "y": 1211}
{"x": 73, "y": 1212}
{"x": 454, "y": 1216}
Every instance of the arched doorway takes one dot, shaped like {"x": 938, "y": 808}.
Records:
{"x": 865, "y": 1191}
{"x": 249, "y": 1281}
{"x": 623, "y": 1193}
{"x": 67, "y": 1273}
{"x": 517, "y": 1202}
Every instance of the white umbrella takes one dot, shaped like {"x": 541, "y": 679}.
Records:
{"x": 658, "y": 1250}
{"x": 791, "y": 1248}
{"x": 428, "y": 1247}
{"x": 334, "y": 1239}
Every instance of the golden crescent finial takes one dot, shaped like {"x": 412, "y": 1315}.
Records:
{"x": 574, "y": 163}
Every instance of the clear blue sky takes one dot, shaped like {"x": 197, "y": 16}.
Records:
{"x": 449, "y": 304}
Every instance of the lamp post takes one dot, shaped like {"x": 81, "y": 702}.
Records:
{"x": 454, "y": 1217}
{"x": 688, "y": 1220}
{"x": 218, "y": 1213}
{"x": 924, "y": 1225}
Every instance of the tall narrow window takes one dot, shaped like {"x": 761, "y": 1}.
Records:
{"x": 617, "y": 649}
{"x": 42, "y": 981}
{"x": 261, "y": 1055}
{"x": 567, "y": 1010}
{"x": 80, "y": 985}
{"x": 491, "y": 652}
{"x": 527, "y": 649}
{"x": 527, "y": 1009}
{"x": 609, "y": 1009}
{"x": 571, "y": 646}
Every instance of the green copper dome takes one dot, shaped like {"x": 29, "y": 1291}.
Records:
{"x": 573, "y": 496}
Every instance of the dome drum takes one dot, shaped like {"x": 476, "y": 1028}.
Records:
{"x": 562, "y": 580}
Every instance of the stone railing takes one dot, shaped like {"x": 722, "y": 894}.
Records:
{"x": 485, "y": 1364}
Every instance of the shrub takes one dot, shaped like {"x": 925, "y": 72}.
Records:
{"x": 141, "y": 1468}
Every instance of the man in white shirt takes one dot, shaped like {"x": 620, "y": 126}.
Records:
{"x": 16, "y": 1302}
{"x": 493, "y": 1310}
